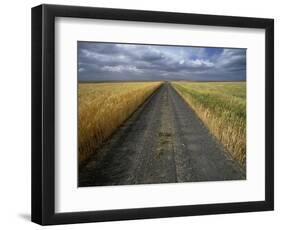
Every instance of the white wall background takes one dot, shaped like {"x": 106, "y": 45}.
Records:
{"x": 15, "y": 114}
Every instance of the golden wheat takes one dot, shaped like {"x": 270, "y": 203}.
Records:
{"x": 222, "y": 107}
{"x": 103, "y": 107}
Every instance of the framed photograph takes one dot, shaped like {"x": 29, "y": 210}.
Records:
{"x": 142, "y": 114}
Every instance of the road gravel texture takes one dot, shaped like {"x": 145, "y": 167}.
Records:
{"x": 162, "y": 142}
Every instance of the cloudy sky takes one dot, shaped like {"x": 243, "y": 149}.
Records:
{"x": 112, "y": 61}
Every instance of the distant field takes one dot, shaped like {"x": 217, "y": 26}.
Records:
{"x": 222, "y": 107}
{"x": 103, "y": 107}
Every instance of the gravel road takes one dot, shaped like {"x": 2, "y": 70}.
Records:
{"x": 162, "y": 142}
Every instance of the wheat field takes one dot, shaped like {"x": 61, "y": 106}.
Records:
{"x": 222, "y": 107}
{"x": 103, "y": 107}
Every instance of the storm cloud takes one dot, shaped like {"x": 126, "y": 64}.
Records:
{"x": 111, "y": 61}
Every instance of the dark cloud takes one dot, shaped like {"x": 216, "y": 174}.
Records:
{"x": 109, "y": 61}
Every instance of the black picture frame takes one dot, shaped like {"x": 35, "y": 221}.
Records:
{"x": 43, "y": 114}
